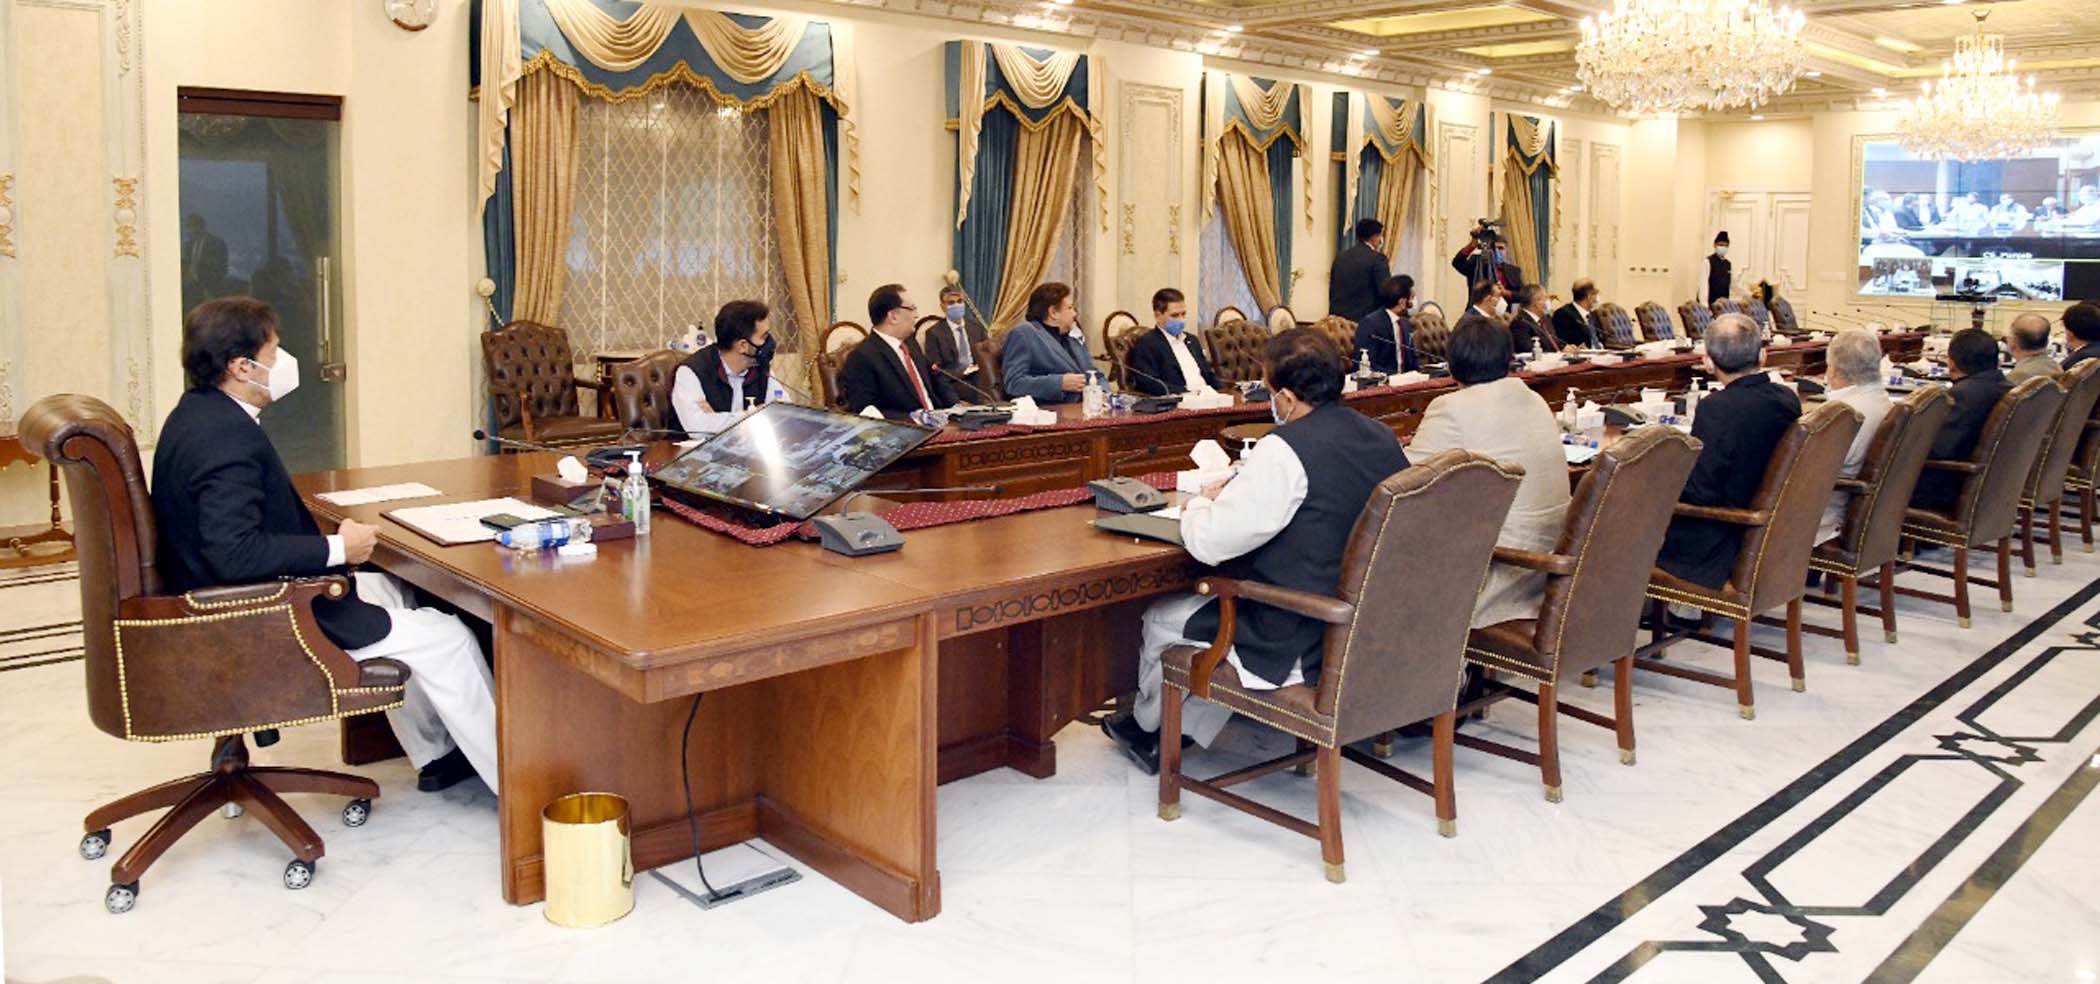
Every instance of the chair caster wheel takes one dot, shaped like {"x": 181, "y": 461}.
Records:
{"x": 120, "y": 898}
{"x": 357, "y": 812}
{"x": 94, "y": 845}
{"x": 298, "y": 874}
{"x": 232, "y": 811}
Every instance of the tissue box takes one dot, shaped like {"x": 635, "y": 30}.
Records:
{"x": 1607, "y": 360}
{"x": 1205, "y": 401}
{"x": 1546, "y": 362}
{"x": 1407, "y": 378}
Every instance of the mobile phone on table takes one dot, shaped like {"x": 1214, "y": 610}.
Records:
{"x": 502, "y": 521}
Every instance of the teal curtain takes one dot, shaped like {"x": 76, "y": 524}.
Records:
{"x": 980, "y": 245}
{"x": 1540, "y": 179}
{"x": 1282, "y": 194}
{"x": 1370, "y": 172}
{"x": 499, "y": 241}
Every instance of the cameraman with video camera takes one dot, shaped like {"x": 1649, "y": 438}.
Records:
{"x": 1485, "y": 259}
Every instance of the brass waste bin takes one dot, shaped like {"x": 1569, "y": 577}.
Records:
{"x": 589, "y": 866}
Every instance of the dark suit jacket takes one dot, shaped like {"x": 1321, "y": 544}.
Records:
{"x": 1740, "y": 426}
{"x": 940, "y": 351}
{"x": 1573, "y": 327}
{"x": 872, "y": 377}
{"x": 1523, "y": 328}
{"x": 1391, "y": 346}
{"x": 1354, "y": 280}
{"x": 227, "y": 514}
{"x": 1472, "y": 315}
{"x": 1506, "y": 274}
{"x": 1974, "y": 399}
{"x": 2090, "y": 350}
{"x": 1151, "y": 357}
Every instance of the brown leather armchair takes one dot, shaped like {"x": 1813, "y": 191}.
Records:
{"x": 1617, "y": 326}
{"x": 1120, "y": 331}
{"x": 212, "y": 664}
{"x": 989, "y": 356}
{"x": 1783, "y": 319}
{"x": 831, "y": 355}
{"x": 1591, "y": 611}
{"x": 2045, "y": 488}
{"x": 1872, "y": 529}
{"x": 1727, "y": 305}
{"x": 1771, "y": 567}
{"x": 1235, "y": 350}
{"x": 641, "y": 391}
{"x": 533, "y": 383}
{"x": 1227, "y": 315}
{"x": 1432, "y": 336}
{"x": 1342, "y": 332}
{"x": 1994, "y": 477}
{"x": 2078, "y": 478}
{"x": 1394, "y": 648}
{"x": 1695, "y": 317}
{"x": 1655, "y": 322}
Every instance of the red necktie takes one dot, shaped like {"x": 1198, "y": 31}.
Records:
{"x": 912, "y": 372}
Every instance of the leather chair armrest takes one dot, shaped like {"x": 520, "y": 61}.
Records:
{"x": 1332, "y": 611}
{"x": 235, "y": 602}
{"x": 1948, "y": 464}
{"x": 1740, "y": 517}
{"x": 1852, "y": 485}
{"x": 1551, "y": 563}
{"x": 592, "y": 383}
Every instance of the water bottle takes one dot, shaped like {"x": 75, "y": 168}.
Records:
{"x": 634, "y": 495}
{"x": 546, "y": 534}
{"x": 1094, "y": 399}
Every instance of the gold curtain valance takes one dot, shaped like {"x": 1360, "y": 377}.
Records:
{"x": 748, "y": 55}
{"x": 1264, "y": 107}
{"x": 681, "y": 73}
{"x": 1038, "y": 83}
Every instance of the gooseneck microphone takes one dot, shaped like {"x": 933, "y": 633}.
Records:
{"x": 1127, "y": 367}
{"x": 482, "y": 435}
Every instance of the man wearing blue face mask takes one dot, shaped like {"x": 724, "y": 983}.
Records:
{"x": 227, "y": 514}
{"x": 1168, "y": 359}
{"x": 952, "y": 348}
{"x": 1045, "y": 357}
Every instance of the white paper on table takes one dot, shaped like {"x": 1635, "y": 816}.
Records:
{"x": 1578, "y": 454}
{"x": 460, "y": 522}
{"x": 1407, "y": 378}
{"x": 1170, "y": 512}
{"x": 377, "y": 493}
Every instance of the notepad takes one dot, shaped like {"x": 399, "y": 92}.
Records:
{"x": 454, "y": 523}
{"x": 377, "y": 493}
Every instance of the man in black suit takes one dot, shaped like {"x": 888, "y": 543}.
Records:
{"x": 1358, "y": 273}
{"x": 887, "y": 370}
{"x": 228, "y": 515}
{"x": 1575, "y": 323}
{"x": 1483, "y": 303}
{"x": 951, "y": 347}
{"x": 1972, "y": 360}
{"x": 1529, "y": 326}
{"x": 1496, "y": 269}
{"x": 203, "y": 261}
{"x": 2082, "y": 323}
{"x": 1387, "y": 334}
{"x": 1168, "y": 359}
{"x": 1740, "y": 427}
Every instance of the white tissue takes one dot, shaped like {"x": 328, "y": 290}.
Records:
{"x": 1212, "y": 465}
{"x": 1410, "y": 377}
{"x": 870, "y": 412}
{"x": 1026, "y": 413}
{"x": 571, "y": 470}
{"x": 1209, "y": 455}
{"x": 1205, "y": 399}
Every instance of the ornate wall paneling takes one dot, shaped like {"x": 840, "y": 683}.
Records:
{"x": 1148, "y": 192}
{"x": 117, "y": 29}
{"x": 1459, "y": 190}
{"x": 1768, "y": 233}
{"x": 1570, "y": 218}
{"x": 1602, "y": 236}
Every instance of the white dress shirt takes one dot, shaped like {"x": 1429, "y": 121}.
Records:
{"x": 911, "y": 371}
{"x": 689, "y": 401}
{"x": 337, "y": 553}
{"x": 1191, "y": 375}
{"x": 1253, "y": 507}
{"x": 1872, "y": 401}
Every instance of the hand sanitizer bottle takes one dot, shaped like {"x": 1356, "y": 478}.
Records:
{"x": 1094, "y": 399}
{"x": 1363, "y": 362}
{"x": 634, "y": 495}
{"x": 1571, "y": 412}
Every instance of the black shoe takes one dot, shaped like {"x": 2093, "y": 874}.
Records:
{"x": 1140, "y": 745}
{"x": 444, "y": 773}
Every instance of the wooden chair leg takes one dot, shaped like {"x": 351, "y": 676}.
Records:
{"x": 1961, "y": 586}
{"x": 1307, "y": 767}
{"x": 1888, "y": 602}
{"x": 1445, "y": 729}
{"x": 2056, "y": 531}
{"x": 1170, "y": 753}
{"x": 2027, "y": 539}
{"x": 279, "y": 817}
{"x": 159, "y": 797}
{"x": 1658, "y": 615}
{"x": 1622, "y": 706}
{"x": 2088, "y": 499}
{"x": 279, "y": 780}
{"x": 1745, "y": 699}
{"x": 202, "y": 800}
{"x": 1793, "y": 646}
{"x": 2005, "y": 572}
{"x": 1330, "y": 788}
{"x": 1848, "y": 606}
{"x": 1549, "y": 741}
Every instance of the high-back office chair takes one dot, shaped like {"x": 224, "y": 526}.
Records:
{"x": 1617, "y": 327}
{"x": 1726, "y": 305}
{"x": 1595, "y": 580}
{"x": 210, "y": 664}
{"x": 988, "y": 356}
{"x": 1872, "y": 530}
{"x": 1771, "y": 566}
{"x": 1758, "y": 313}
{"x": 1119, "y": 331}
{"x": 1281, "y": 319}
{"x": 1342, "y": 332}
{"x": 838, "y": 339}
{"x": 1432, "y": 336}
{"x": 1655, "y": 322}
{"x": 1227, "y": 315}
{"x": 2078, "y": 478}
{"x": 641, "y": 391}
{"x": 2045, "y": 488}
{"x": 1695, "y": 317}
{"x": 1993, "y": 478}
{"x": 1783, "y": 319}
{"x": 1393, "y": 651}
{"x": 533, "y": 384}
{"x": 1235, "y": 350}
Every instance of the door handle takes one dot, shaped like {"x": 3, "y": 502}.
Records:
{"x": 332, "y": 369}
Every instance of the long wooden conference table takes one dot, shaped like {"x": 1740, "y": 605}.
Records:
{"x": 834, "y": 693}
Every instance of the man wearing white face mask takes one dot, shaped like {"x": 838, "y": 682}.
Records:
{"x": 1485, "y": 305}
{"x": 1719, "y": 272}
{"x": 227, "y": 514}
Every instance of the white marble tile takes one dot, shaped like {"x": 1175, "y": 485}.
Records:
{"x": 118, "y": 969}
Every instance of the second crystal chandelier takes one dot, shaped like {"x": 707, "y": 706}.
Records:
{"x": 1674, "y": 56}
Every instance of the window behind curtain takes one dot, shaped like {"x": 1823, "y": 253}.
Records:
{"x": 673, "y": 217}
{"x": 1221, "y": 280}
{"x": 1070, "y": 263}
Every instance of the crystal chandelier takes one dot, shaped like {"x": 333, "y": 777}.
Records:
{"x": 1979, "y": 110}
{"x": 1673, "y": 56}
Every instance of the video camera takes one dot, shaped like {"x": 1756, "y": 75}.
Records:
{"x": 1484, "y": 233}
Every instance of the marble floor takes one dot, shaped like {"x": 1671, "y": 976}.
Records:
{"x": 1921, "y": 817}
